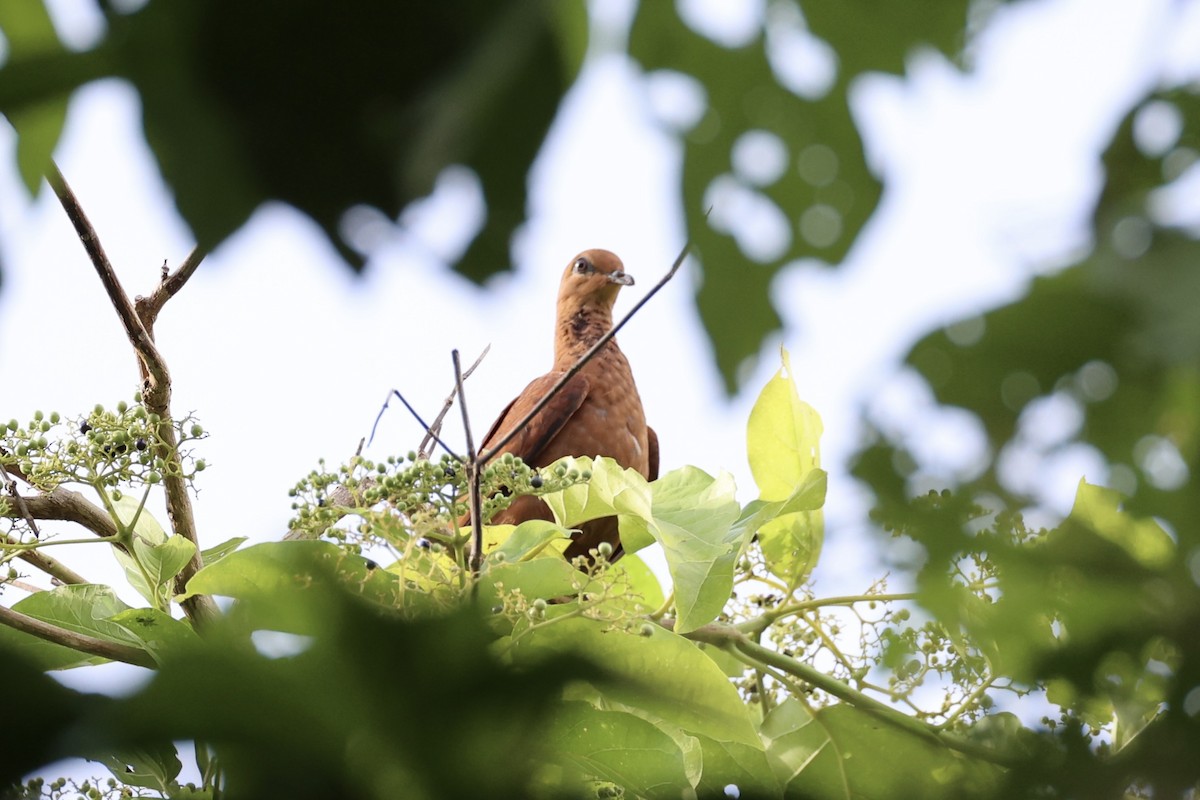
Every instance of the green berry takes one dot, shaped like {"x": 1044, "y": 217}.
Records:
{"x": 153, "y": 477}
{"x": 37, "y": 416}
{"x": 13, "y": 425}
{"x": 122, "y": 407}
{"x": 197, "y": 430}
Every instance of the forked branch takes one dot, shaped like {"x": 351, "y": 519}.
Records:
{"x": 156, "y": 379}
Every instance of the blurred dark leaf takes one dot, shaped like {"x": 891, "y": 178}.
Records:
{"x": 368, "y": 705}
{"x": 29, "y": 34}
{"x": 825, "y": 191}
{"x": 328, "y": 107}
{"x": 1118, "y": 332}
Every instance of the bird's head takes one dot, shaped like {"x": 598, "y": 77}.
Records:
{"x": 593, "y": 278}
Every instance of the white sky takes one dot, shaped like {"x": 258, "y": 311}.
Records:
{"x": 286, "y": 357}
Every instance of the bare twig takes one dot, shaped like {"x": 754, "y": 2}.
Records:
{"x": 416, "y": 416}
{"x": 583, "y": 359}
{"x": 156, "y": 386}
{"x": 473, "y": 467}
{"x": 436, "y": 427}
{"x": 11, "y": 485}
{"x": 158, "y": 379}
{"x": 75, "y": 641}
{"x": 148, "y": 307}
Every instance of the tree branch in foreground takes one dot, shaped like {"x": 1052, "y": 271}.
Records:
{"x": 755, "y": 655}
{"x": 156, "y": 379}
{"x": 76, "y": 641}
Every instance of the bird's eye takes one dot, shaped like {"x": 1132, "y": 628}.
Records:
{"x": 582, "y": 267}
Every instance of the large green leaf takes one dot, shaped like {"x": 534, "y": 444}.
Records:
{"x": 265, "y": 573}
{"x": 783, "y": 438}
{"x": 841, "y": 752}
{"x": 824, "y": 192}
{"x": 620, "y": 747}
{"x": 687, "y": 511}
{"x": 95, "y": 611}
{"x": 697, "y": 697}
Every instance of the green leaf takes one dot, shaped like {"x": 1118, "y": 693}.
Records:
{"x": 266, "y": 572}
{"x": 643, "y": 583}
{"x": 29, "y": 34}
{"x": 164, "y": 561}
{"x": 687, "y": 511}
{"x": 545, "y": 578}
{"x": 89, "y": 609}
{"x": 741, "y": 765}
{"x": 698, "y": 698}
{"x": 693, "y": 514}
{"x": 620, "y": 747}
{"x": 214, "y": 554}
{"x": 525, "y": 540}
{"x": 128, "y": 508}
{"x": 611, "y": 490}
{"x": 783, "y": 437}
{"x": 149, "y": 767}
{"x": 842, "y": 752}
{"x": 1144, "y": 540}
{"x": 155, "y": 631}
{"x": 783, "y": 444}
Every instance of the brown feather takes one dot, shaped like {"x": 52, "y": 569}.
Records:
{"x": 598, "y": 412}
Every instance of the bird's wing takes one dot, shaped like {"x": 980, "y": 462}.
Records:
{"x": 532, "y": 440}
{"x": 652, "y": 439}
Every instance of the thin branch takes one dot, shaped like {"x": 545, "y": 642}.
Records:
{"x": 447, "y": 404}
{"x": 76, "y": 641}
{"x": 156, "y": 390}
{"x": 11, "y": 485}
{"x": 491, "y": 453}
{"x": 416, "y": 416}
{"x": 51, "y": 566}
{"x": 148, "y": 307}
{"x": 158, "y": 379}
{"x": 753, "y": 654}
{"x": 473, "y": 465}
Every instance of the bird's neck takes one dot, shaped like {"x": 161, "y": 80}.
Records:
{"x": 579, "y": 328}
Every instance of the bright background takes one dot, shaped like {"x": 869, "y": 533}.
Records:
{"x": 286, "y": 357}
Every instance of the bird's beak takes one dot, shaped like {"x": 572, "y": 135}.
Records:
{"x": 621, "y": 277}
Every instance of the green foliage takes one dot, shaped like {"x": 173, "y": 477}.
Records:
{"x": 823, "y": 191}
{"x": 323, "y": 107}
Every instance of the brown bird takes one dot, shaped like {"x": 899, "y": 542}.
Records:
{"x": 597, "y": 413}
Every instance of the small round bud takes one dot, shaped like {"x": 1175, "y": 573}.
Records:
{"x": 98, "y": 409}
{"x": 54, "y": 417}
{"x": 200, "y": 465}
{"x": 646, "y": 630}
{"x": 197, "y": 430}
{"x": 605, "y": 549}
{"x": 122, "y": 407}
{"x": 586, "y": 475}
{"x": 38, "y": 416}
{"x": 153, "y": 477}
{"x": 13, "y": 425}
{"x": 539, "y": 605}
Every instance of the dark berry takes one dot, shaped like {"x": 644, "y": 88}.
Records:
{"x": 535, "y": 481}
{"x": 84, "y": 427}
{"x": 140, "y": 444}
